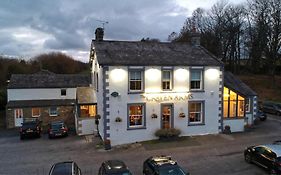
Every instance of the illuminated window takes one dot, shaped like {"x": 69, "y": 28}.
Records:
{"x": 35, "y": 112}
{"x": 136, "y": 80}
{"x": 233, "y": 104}
{"x": 53, "y": 111}
{"x": 88, "y": 110}
{"x": 136, "y": 115}
{"x": 196, "y": 79}
{"x": 195, "y": 112}
{"x": 167, "y": 80}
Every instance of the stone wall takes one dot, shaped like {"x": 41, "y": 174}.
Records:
{"x": 65, "y": 113}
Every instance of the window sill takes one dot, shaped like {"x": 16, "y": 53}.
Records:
{"x": 196, "y": 124}
{"x": 195, "y": 90}
{"x": 234, "y": 118}
{"x": 136, "y": 128}
{"x": 135, "y": 92}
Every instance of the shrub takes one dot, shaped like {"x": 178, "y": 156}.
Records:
{"x": 171, "y": 132}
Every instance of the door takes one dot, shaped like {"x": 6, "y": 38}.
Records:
{"x": 167, "y": 117}
{"x": 18, "y": 113}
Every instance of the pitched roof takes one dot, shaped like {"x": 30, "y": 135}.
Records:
{"x": 86, "y": 95}
{"x": 237, "y": 85}
{"x": 152, "y": 53}
{"x": 46, "y": 79}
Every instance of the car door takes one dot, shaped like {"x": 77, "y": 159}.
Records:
{"x": 258, "y": 156}
{"x": 269, "y": 158}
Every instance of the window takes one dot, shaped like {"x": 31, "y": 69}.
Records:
{"x": 196, "y": 79}
{"x": 63, "y": 92}
{"x": 167, "y": 80}
{"x": 35, "y": 112}
{"x": 247, "y": 105}
{"x": 88, "y": 110}
{"x": 136, "y": 80}
{"x": 195, "y": 112}
{"x": 233, "y": 104}
{"x": 53, "y": 111}
{"x": 136, "y": 115}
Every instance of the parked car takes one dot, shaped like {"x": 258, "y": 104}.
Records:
{"x": 261, "y": 115}
{"x": 65, "y": 168}
{"x": 114, "y": 167}
{"x": 162, "y": 165}
{"x": 272, "y": 108}
{"x": 266, "y": 156}
{"x": 30, "y": 129}
{"x": 57, "y": 129}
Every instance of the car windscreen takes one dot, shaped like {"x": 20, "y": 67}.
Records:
{"x": 28, "y": 125}
{"x": 173, "y": 170}
{"x": 57, "y": 126}
{"x": 62, "y": 169}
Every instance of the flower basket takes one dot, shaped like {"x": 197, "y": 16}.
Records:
{"x": 181, "y": 115}
{"x": 118, "y": 119}
{"x": 154, "y": 116}
{"x": 227, "y": 130}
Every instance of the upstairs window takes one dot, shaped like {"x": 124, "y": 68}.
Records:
{"x": 53, "y": 111}
{"x": 167, "y": 80}
{"x": 196, "y": 79}
{"x": 135, "y": 80}
{"x": 63, "y": 92}
{"x": 35, "y": 112}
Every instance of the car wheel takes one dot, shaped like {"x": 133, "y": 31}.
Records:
{"x": 248, "y": 158}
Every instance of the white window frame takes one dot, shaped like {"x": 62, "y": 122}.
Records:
{"x": 201, "y": 112}
{"x": 201, "y": 79}
{"x": 141, "y": 80}
{"x": 165, "y": 80}
{"x": 248, "y": 102}
{"x": 143, "y": 116}
{"x": 35, "y": 116}
{"x": 53, "y": 114}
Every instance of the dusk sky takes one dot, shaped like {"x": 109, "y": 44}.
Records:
{"x": 31, "y": 27}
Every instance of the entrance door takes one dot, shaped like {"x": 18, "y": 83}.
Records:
{"x": 166, "y": 120}
{"x": 18, "y": 117}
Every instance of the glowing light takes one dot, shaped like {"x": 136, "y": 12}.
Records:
{"x": 161, "y": 97}
{"x": 153, "y": 74}
{"x": 118, "y": 75}
{"x": 212, "y": 74}
{"x": 181, "y": 74}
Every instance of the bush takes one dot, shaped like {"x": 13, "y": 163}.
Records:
{"x": 171, "y": 132}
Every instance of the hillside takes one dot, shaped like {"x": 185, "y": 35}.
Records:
{"x": 262, "y": 84}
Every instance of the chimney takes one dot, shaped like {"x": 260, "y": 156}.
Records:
{"x": 194, "y": 36}
{"x": 99, "y": 34}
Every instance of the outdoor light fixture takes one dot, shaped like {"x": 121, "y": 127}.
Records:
{"x": 181, "y": 74}
{"x": 153, "y": 74}
{"x": 212, "y": 74}
{"x": 118, "y": 75}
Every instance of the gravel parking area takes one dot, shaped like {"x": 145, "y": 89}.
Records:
{"x": 211, "y": 154}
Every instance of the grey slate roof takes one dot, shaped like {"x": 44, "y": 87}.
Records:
{"x": 129, "y": 53}
{"x": 46, "y": 79}
{"x": 235, "y": 84}
{"x": 40, "y": 103}
{"x": 86, "y": 95}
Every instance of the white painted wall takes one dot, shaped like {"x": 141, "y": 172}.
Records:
{"x": 236, "y": 125}
{"x": 40, "y": 94}
{"x": 118, "y": 82}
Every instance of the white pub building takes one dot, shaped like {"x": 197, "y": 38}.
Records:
{"x": 143, "y": 86}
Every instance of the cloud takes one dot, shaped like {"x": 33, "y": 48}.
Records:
{"x": 30, "y": 27}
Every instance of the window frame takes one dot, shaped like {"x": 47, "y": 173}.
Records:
{"x": 143, "y": 126}
{"x": 50, "y": 113}
{"x": 32, "y": 113}
{"x": 171, "y": 78}
{"x": 141, "y": 70}
{"x": 201, "y": 69}
{"x": 202, "y": 112}
{"x": 248, "y": 102}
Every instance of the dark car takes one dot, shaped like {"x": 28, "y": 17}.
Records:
{"x": 57, "y": 129}
{"x": 272, "y": 108}
{"x": 65, "y": 168}
{"x": 30, "y": 129}
{"x": 266, "y": 156}
{"x": 162, "y": 165}
{"x": 261, "y": 115}
{"x": 114, "y": 167}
